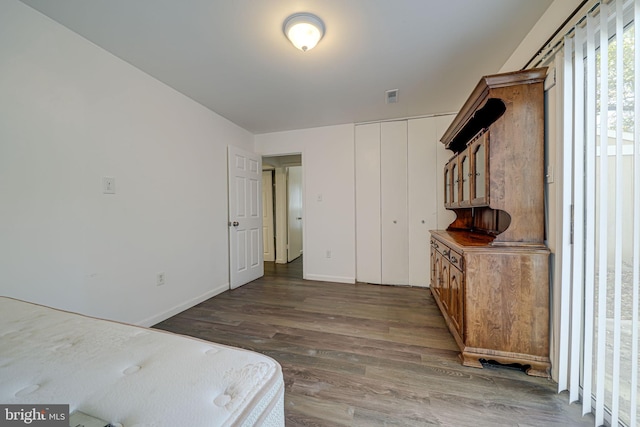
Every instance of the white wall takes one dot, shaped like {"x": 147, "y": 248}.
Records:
{"x": 329, "y": 196}
{"x": 548, "y": 23}
{"x": 71, "y": 113}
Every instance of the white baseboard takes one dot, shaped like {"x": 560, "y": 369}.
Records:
{"x": 150, "y": 321}
{"x": 323, "y": 278}
{"x": 419, "y": 285}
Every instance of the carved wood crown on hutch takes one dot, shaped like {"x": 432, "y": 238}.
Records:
{"x": 506, "y": 110}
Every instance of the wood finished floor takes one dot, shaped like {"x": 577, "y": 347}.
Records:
{"x": 367, "y": 355}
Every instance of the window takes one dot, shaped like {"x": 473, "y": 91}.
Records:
{"x": 600, "y": 280}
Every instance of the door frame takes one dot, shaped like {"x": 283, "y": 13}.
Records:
{"x": 281, "y": 255}
{"x": 268, "y": 228}
{"x": 294, "y": 218}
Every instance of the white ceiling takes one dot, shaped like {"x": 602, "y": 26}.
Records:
{"x": 232, "y": 57}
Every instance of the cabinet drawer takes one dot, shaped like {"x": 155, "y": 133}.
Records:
{"x": 455, "y": 258}
{"x": 438, "y": 246}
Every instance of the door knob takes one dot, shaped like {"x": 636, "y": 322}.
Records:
{"x": 235, "y": 223}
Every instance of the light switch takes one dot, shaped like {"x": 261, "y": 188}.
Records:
{"x": 108, "y": 185}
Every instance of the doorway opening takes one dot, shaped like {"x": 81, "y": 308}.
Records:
{"x": 282, "y": 197}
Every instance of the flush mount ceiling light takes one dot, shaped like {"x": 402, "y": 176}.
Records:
{"x": 304, "y": 30}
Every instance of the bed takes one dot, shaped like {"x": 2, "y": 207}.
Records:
{"x": 132, "y": 376}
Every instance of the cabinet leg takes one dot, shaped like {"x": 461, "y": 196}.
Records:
{"x": 530, "y": 367}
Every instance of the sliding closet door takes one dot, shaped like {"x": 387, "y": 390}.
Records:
{"x": 398, "y": 198}
{"x": 393, "y": 193}
{"x": 382, "y": 252}
{"x": 423, "y": 211}
{"x": 368, "y": 251}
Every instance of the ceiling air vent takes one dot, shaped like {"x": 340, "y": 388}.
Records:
{"x": 391, "y": 96}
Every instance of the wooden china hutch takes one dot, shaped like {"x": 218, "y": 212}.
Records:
{"x": 489, "y": 268}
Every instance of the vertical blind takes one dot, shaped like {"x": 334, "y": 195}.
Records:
{"x": 598, "y": 354}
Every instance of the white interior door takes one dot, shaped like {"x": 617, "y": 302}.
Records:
{"x": 294, "y": 209}
{"x": 267, "y": 216}
{"x": 426, "y": 160}
{"x": 393, "y": 194}
{"x": 368, "y": 251}
{"x": 423, "y": 209}
{"x": 245, "y": 217}
{"x": 281, "y": 215}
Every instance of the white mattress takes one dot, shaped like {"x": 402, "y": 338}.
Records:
{"x": 132, "y": 376}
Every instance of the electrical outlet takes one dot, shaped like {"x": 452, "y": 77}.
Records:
{"x": 160, "y": 279}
